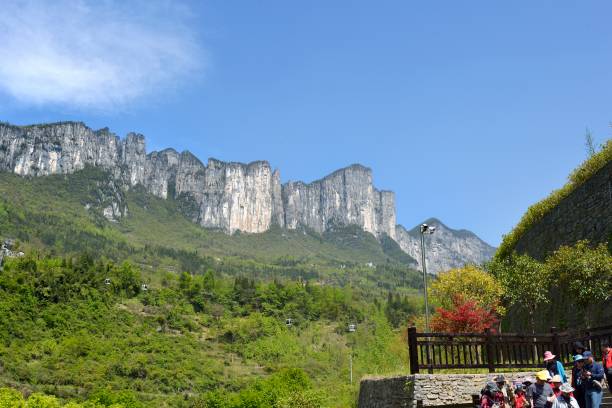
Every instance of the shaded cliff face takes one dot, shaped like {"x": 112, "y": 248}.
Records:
{"x": 446, "y": 248}
{"x": 345, "y": 197}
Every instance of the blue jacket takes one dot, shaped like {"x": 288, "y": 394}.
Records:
{"x": 597, "y": 373}
{"x": 556, "y": 367}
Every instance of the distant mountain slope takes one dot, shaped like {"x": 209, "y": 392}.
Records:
{"x": 68, "y": 213}
{"x": 228, "y": 197}
{"x": 446, "y": 248}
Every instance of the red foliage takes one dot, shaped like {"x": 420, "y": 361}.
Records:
{"x": 466, "y": 316}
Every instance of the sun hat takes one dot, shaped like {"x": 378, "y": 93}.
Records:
{"x": 557, "y": 379}
{"x": 578, "y": 357}
{"x": 528, "y": 380}
{"x": 542, "y": 375}
{"x": 587, "y": 354}
{"x": 500, "y": 379}
{"x": 548, "y": 355}
{"x": 492, "y": 387}
{"x": 566, "y": 387}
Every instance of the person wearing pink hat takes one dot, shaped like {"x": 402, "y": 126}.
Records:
{"x": 554, "y": 367}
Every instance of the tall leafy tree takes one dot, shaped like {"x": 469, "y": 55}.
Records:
{"x": 526, "y": 283}
{"x": 584, "y": 273}
{"x": 468, "y": 283}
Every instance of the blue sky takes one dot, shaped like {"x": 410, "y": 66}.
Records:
{"x": 470, "y": 111}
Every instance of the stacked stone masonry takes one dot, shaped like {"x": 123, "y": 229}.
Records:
{"x": 585, "y": 214}
{"x": 435, "y": 390}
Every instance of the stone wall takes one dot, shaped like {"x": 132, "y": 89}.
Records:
{"x": 585, "y": 214}
{"x": 433, "y": 389}
{"x": 390, "y": 392}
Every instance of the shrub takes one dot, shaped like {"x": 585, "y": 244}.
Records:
{"x": 10, "y": 398}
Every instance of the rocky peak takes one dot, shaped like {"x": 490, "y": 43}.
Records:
{"x": 446, "y": 248}
{"x": 345, "y": 197}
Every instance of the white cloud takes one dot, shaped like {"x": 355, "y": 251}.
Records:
{"x": 94, "y": 54}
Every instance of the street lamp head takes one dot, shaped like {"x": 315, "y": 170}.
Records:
{"x": 427, "y": 229}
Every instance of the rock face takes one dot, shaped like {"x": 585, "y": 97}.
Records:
{"x": 222, "y": 195}
{"x": 345, "y": 197}
{"x": 227, "y": 196}
{"x": 446, "y": 248}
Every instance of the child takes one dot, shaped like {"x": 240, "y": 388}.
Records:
{"x": 556, "y": 384}
{"x": 565, "y": 399}
{"x": 520, "y": 400}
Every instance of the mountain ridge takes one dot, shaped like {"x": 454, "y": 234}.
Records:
{"x": 446, "y": 248}
{"x": 230, "y": 196}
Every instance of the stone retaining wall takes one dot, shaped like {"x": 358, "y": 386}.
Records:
{"x": 585, "y": 214}
{"x": 433, "y": 389}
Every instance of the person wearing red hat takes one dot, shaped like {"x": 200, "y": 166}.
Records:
{"x": 554, "y": 367}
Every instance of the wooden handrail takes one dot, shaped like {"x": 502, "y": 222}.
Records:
{"x": 496, "y": 350}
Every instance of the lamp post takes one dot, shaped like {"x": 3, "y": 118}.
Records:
{"x": 425, "y": 229}
{"x": 351, "y": 329}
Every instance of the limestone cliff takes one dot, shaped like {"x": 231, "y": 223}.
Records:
{"x": 228, "y": 196}
{"x": 345, "y": 197}
{"x": 223, "y": 195}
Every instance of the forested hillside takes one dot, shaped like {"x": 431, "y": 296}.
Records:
{"x": 208, "y": 328}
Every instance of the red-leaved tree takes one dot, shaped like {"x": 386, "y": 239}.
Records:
{"x": 466, "y": 316}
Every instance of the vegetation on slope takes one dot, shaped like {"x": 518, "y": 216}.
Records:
{"x": 210, "y": 330}
{"x": 191, "y": 339}
{"x": 536, "y": 212}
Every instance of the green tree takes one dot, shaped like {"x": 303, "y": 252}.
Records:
{"x": 526, "y": 283}
{"x": 585, "y": 273}
{"x": 589, "y": 143}
{"x": 469, "y": 283}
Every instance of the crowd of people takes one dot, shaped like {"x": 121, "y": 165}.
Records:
{"x": 551, "y": 388}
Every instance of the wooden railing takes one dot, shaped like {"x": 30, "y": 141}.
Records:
{"x": 437, "y": 351}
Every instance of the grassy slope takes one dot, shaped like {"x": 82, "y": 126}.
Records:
{"x": 158, "y": 222}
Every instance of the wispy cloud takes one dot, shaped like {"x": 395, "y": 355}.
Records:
{"x": 95, "y": 54}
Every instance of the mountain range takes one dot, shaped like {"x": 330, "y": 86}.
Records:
{"x": 228, "y": 196}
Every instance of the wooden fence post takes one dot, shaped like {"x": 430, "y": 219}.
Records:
{"x": 490, "y": 350}
{"x": 413, "y": 352}
{"x": 556, "y": 343}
